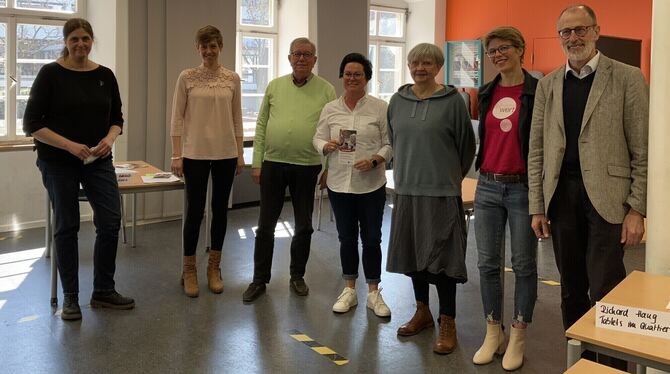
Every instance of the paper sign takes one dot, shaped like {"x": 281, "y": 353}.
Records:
{"x": 634, "y": 320}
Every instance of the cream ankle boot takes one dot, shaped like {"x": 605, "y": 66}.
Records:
{"x": 494, "y": 342}
{"x": 513, "y": 358}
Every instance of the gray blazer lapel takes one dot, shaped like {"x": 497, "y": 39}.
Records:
{"x": 603, "y": 72}
{"x": 558, "y": 98}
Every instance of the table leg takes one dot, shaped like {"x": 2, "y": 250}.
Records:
{"x": 574, "y": 352}
{"x": 132, "y": 230}
{"x": 54, "y": 275}
{"x": 47, "y": 229}
{"x": 208, "y": 204}
{"x": 318, "y": 214}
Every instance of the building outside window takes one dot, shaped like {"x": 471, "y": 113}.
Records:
{"x": 31, "y": 35}
{"x": 256, "y": 56}
{"x": 386, "y": 51}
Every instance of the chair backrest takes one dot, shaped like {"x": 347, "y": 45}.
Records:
{"x": 466, "y": 98}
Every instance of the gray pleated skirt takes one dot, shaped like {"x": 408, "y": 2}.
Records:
{"x": 428, "y": 233}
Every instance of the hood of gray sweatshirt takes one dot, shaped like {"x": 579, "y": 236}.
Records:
{"x": 433, "y": 142}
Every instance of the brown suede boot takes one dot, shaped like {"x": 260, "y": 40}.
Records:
{"x": 422, "y": 319}
{"x": 214, "y": 272}
{"x": 446, "y": 341}
{"x": 189, "y": 278}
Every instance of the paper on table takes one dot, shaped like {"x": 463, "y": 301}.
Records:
{"x": 159, "y": 178}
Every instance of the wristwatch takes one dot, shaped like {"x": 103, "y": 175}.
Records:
{"x": 374, "y": 163}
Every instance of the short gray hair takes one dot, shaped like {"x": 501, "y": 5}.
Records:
{"x": 426, "y": 51}
{"x": 301, "y": 40}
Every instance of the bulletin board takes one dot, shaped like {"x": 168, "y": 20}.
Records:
{"x": 463, "y": 63}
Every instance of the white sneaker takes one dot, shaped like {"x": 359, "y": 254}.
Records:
{"x": 377, "y": 304}
{"x": 346, "y": 300}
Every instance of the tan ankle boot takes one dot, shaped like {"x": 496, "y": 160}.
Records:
{"x": 513, "y": 358}
{"x": 214, "y": 272}
{"x": 446, "y": 341}
{"x": 189, "y": 277}
{"x": 422, "y": 319}
{"x": 494, "y": 342}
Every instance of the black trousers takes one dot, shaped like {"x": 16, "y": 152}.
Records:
{"x": 301, "y": 181}
{"x": 196, "y": 176}
{"x": 446, "y": 290}
{"x": 98, "y": 180}
{"x": 588, "y": 252}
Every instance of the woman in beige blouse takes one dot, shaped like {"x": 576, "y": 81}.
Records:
{"x": 206, "y": 133}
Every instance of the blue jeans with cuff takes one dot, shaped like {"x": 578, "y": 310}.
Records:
{"x": 498, "y": 203}
{"x": 366, "y": 210}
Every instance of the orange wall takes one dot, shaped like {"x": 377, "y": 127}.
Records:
{"x": 536, "y": 19}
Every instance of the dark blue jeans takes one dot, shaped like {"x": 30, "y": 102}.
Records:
{"x": 301, "y": 181}
{"x": 366, "y": 210}
{"x": 98, "y": 181}
{"x": 496, "y": 205}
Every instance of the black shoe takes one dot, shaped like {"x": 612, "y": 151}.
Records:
{"x": 299, "y": 286}
{"x": 253, "y": 292}
{"x": 71, "y": 310}
{"x": 111, "y": 299}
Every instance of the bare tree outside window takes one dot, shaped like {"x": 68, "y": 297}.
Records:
{"x": 386, "y": 51}
{"x": 256, "y": 74}
{"x": 65, "y": 6}
{"x": 36, "y": 46}
{"x": 256, "y": 13}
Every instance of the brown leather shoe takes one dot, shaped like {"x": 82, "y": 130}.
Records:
{"x": 214, "y": 272}
{"x": 189, "y": 278}
{"x": 422, "y": 319}
{"x": 446, "y": 341}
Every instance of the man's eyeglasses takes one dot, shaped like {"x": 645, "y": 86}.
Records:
{"x": 502, "y": 49}
{"x": 356, "y": 75}
{"x": 579, "y": 31}
{"x": 297, "y": 55}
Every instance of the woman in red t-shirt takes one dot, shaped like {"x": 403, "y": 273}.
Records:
{"x": 505, "y": 111}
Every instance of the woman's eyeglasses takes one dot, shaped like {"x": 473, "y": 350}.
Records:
{"x": 502, "y": 49}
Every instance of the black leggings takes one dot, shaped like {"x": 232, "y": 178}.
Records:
{"x": 196, "y": 176}
{"x": 446, "y": 290}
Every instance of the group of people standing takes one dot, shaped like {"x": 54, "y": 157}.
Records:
{"x": 565, "y": 155}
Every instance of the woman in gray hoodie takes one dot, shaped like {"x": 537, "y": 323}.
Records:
{"x": 434, "y": 146}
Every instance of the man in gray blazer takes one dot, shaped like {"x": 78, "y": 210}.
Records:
{"x": 587, "y": 165}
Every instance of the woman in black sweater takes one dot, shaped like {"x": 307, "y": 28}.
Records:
{"x": 74, "y": 115}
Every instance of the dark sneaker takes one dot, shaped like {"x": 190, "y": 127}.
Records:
{"x": 112, "y": 300}
{"x": 299, "y": 286}
{"x": 71, "y": 310}
{"x": 253, "y": 292}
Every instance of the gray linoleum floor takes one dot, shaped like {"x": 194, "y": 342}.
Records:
{"x": 170, "y": 333}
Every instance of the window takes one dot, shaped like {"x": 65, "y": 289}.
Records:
{"x": 256, "y": 56}
{"x": 386, "y": 51}
{"x": 27, "y": 42}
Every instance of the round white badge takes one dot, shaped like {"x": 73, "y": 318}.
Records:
{"x": 506, "y": 125}
{"x": 504, "y": 108}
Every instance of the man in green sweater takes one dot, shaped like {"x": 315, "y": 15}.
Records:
{"x": 284, "y": 157}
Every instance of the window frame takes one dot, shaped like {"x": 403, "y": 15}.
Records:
{"x": 12, "y": 17}
{"x": 382, "y": 41}
{"x": 255, "y": 31}
{"x": 272, "y": 29}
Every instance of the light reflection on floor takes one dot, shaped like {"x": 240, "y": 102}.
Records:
{"x": 15, "y": 267}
